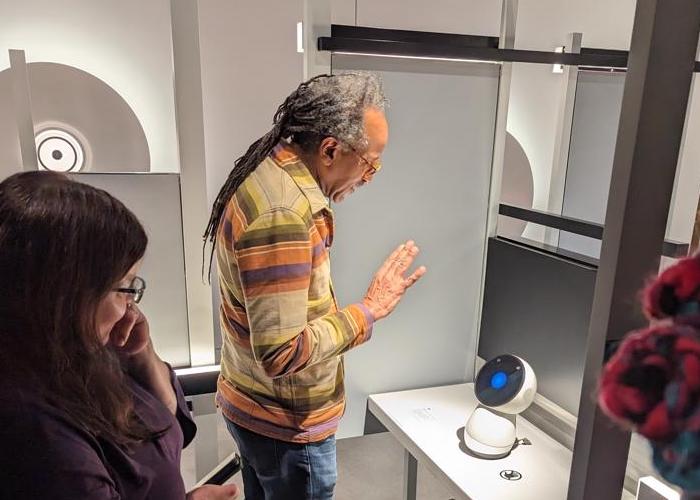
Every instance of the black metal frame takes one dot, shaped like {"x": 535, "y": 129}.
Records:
{"x": 661, "y": 63}
{"x": 561, "y": 222}
{"x": 594, "y": 230}
{"x": 406, "y": 36}
{"x": 404, "y": 43}
{"x": 226, "y": 471}
{"x": 195, "y": 384}
{"x": 136, "y": 291}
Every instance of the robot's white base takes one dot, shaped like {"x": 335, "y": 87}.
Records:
{"x": 490, "y": 434}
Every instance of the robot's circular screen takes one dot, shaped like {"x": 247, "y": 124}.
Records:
{"x": 500, "y": 380}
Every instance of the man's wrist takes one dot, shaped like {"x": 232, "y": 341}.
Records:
{"x": 372, "y": 308}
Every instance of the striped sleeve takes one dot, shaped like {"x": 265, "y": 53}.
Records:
{"x": 275, "y": 258}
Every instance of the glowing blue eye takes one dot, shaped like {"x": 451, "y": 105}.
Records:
{"x": 498, "y": 380}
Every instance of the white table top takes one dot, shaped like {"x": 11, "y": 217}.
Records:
{"x": 426, "y": 422}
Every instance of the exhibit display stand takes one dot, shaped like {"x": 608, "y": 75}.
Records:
{"x": 429, "y": 424}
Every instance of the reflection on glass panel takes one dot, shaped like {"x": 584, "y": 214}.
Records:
{"x": 517, "y": 186}
{"x": 530, "y": 146}
{"x": 591, "y": 153}
{"x": 579, "y": 245}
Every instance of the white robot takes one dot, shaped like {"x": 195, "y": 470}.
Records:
{"x": 505, "y": 386}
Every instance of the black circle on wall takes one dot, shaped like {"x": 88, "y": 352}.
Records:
{"x": 53, "y": 154}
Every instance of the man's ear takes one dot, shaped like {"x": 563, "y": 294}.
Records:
{"x": 328, "y": 150}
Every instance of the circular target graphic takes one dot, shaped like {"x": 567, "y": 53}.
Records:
{"x": 59, "y": 151}
{"x": 511, "y": 475}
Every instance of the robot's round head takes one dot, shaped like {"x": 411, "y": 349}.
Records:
{"x": 506, "y": 384}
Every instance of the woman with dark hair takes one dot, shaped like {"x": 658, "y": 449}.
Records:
{"x": 87, "y": 408}
{"x": 652, "y": 382}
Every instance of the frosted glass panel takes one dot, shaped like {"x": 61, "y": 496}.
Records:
{"x": 433, "y": 188}
{"x": 591, "y": 154}
{"x": 155, "y": 199}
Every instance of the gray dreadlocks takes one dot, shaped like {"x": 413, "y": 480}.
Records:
{"x": 324, "y": 106}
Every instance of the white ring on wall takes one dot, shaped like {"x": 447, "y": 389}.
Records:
{"x": 59, "y": 151}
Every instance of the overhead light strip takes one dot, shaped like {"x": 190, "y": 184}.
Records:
{"x": 424, "y": 58}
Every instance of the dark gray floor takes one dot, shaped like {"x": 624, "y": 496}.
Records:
{"x": 369, "y": 468}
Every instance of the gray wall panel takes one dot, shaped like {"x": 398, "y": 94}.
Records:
{"x": 538, "y": 306}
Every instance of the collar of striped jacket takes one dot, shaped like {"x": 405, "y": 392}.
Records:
{"x": 286, "y": 158}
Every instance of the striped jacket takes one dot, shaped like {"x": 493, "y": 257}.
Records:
{"x": 283, "y": 334}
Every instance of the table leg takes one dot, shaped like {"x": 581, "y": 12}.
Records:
{"x": 410, "y": 472}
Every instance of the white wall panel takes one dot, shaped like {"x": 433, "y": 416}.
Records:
{"x": 433, "y": 188}
{"x": 249, "y": 66}
{"x": 155, "y": 200}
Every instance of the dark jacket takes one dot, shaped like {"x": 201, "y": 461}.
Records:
{"x": 45, "y": 456}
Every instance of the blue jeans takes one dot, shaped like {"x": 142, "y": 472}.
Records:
{"x": 278, "y": 470}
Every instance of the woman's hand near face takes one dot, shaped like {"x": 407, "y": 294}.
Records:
{"x": 130, "y": 336}
{"x": 131, "y": 339}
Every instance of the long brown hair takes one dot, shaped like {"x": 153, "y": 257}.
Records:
{"x": 63, "y": 246}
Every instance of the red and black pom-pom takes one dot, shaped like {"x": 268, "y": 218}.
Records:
{"x": 652, "y": 383}
{"x": 673, "y": 289}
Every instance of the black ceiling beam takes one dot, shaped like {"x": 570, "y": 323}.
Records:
{"x": 606, "y": 52}
{"x": 464, "y": 52}
{"x": 406, "y": 43}
{"x": 363, "y": 32}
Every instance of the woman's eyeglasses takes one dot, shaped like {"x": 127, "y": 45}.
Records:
{"x": 136, "y": 289}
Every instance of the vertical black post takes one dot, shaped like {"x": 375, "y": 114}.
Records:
{"x": 660, "y": 68}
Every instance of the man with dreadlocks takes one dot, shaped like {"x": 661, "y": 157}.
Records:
{"x": 281, "y": 386}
